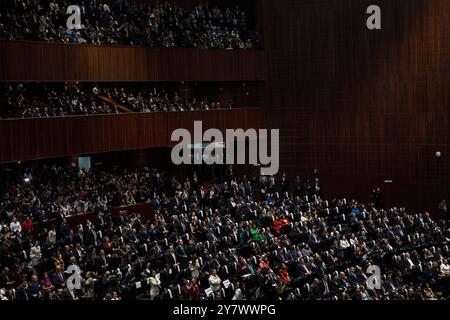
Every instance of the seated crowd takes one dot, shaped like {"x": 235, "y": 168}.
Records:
{"x": 159, "y": 25}
{"x": 151, "y": 100}
{"x": 40, "y": 100}
{"x": 243, "y": 238}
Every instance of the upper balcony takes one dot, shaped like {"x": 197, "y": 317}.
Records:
{"x": 138, "y": 42}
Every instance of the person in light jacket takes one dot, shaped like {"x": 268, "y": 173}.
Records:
{"x": 214, "y": 281}
{"x": 35, "y": 254}
{"x": 155, "y": 285}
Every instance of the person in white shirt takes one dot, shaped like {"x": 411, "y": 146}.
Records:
{"x": 35, "y": 254}
{"x": 214, "y": 281}
{"x": 409, "y": 262}
{"x": 353, "y": 240}
{"x": 194, "y": 266}
{"x": 114, "y": 296}
{"x": 445, "y": 268}
{"x": 15, "y": 225}
{"x": 3, "y": 296}
{"x": 238, "y": 294}
{"x": 66, "y": 209}
{"x": 344, "y": 246}
{"x": 155, "y": 285}
{"x": 343, "y": 243}
{"x": 52, "y": 236}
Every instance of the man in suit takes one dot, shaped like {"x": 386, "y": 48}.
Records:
{"x": 313, "y": 238}
{"x": 78, "y": 253}
{"x": 181, "y": 255}
{"x": 91, "y": 236}
{"x": 303, "y": 269}
{"x": 170, "y": 256}
{"x": 21, "y": 292}
{"x": 58, "y": 277}
{"x": 341, "y": 281}
{"x": 5, "y": 279}
{"x": 33, "y": 288}
{"x": 139, "y": 265}
{"x": 314, "y": 290}
{"x": 100, "y": 262}
{"x": 68, "y": 240}
{"x": 119, "y": 220}
{"x": 79, "y": 237}
{"x": 165, "y": 276}
{"x": 324, "y": 286}
{"x": 64, "y": 229}
{"x": 99, "y": 221}
{"x": 352, "y": 277}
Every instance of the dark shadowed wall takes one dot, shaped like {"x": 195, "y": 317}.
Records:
{"x": 362, "y": 106}
{"x": 40, "y": 138}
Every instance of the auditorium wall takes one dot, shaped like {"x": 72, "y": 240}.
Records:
{"x": 362, "y": 106}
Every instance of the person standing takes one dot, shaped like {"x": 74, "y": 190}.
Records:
{"x": 155, "y": 285}
{"x": 377, "y": 198}
{"x": 443, "y": 209}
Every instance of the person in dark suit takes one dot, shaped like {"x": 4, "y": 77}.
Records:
{"x": 314, "y": 290}
{"x": 181, "y": 255}
{"x": 91, "y": 236}
{"x": 5, "y": 279}
{"x": 341, "y": 281}
{"x": 101, "y": 262}
{"x": 377, "y": 198}
{"x": 352, "y": 277}
{"x": 78, "y": 253}
{"x": 170, "y": 256}
{"x": 284, "y": 183}
{"x": 69, "y": 239}
{"x": 99, "y": 221}
{"x": 325, "y": 286}
{"x": 79, "y": 236}
{"x": 297, "y": 187}
{"x": 165, "y": 276}
{"x": 21, "y": 292}
{"x": 313, "y": 238}
{"x": 33, "y": 288}
{"x": 139, "y": 265}
{"x": 58, "y": 277}
{"x": 443, "y": 209}
{"x": 64, "y": 229}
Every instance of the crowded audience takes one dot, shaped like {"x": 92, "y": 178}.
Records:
{"x": 152, "y": 100}
{"x": 40, "y": 100}
{"x": 159, "y": 25}
{"x": 50, "y": 100}
{"x": 245, "y": 238}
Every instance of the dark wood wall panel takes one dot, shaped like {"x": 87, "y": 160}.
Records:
{"x": 34, "y": 61}
{"x": 27, "y": 139}
{"x": 358, "y": 105}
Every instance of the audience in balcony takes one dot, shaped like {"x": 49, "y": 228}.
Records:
{"x": 160, "y": 25}
{"x": 42, "y": 100}
{"x": 47, "y": 100}
{"x": 211, "y": 242}
{"x": 151, "y": 100}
